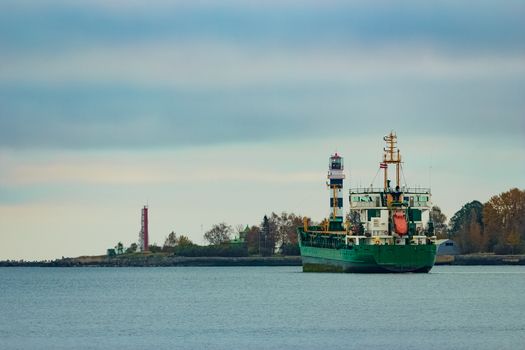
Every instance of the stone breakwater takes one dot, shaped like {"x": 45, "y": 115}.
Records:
{"x": 480, "y": 259}
{"x": 138, "y": 260}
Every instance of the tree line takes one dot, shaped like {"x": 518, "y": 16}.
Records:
{"x": 497, "y": 226}
{"x": 276, "y": 234}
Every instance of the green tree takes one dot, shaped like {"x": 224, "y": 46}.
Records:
{"x": 154, "y": 248}
{"x": 183, "y": 240}
{"x": 440, "y": 222}
{"x": 226, "y": 250}
{"x": 268, "y": 235}
{"x": 219, "y": 233}
{"x": 466, "y": 227}
{"x": 290, "y": 249}
{"x": 132, "y": 248}
{"x": 119, "y": 248}
{"x": 170, "y": 242}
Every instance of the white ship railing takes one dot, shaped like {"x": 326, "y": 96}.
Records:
{"x": 415, "y": 190}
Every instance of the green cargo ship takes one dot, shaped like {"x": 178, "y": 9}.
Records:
{"x": 386, "y": 230}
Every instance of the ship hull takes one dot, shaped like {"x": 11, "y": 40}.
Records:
{"x": 369, "y": 258}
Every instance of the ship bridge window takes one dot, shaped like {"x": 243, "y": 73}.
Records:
{"x": 373, "y": 213}
{"x": 414, "y": 215}
{"x": 362, "y": 199}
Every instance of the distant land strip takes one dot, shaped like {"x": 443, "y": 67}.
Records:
{"x": 140, "y": 260}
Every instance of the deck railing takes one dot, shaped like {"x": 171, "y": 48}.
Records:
{"x": 418, "y": 190}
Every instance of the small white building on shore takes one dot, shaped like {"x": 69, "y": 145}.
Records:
{"x": 447, "y": 247}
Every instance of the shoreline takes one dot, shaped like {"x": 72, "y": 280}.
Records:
{"x": 152, "y": 260}
{"x": 480, "y": 259}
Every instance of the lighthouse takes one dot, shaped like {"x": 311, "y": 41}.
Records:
{"x": 143, "y": 234}
{"x": 335, "y": 183}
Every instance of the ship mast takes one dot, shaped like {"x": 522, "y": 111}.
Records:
{"x": 391, "y": 156}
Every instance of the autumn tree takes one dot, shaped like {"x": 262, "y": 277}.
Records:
{"x": 474, "y": 233}
{"x": 219, "y": 233}
{"x": 466, "y": 227}
{"x": 285, "y": 226}
{"x": 253, "y": 240}
{"x": 513, "y": 240}
{"x": 504, "y": 218}
{"x": 286, "y": 232}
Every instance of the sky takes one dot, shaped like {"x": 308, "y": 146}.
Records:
{"x": 224, "y": 111}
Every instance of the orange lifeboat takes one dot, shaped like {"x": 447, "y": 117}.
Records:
{"x": 400, "y": 223}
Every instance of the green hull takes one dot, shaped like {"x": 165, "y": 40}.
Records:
{"x": 369, "y": 258}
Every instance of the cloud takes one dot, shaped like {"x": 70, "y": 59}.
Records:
{"x": 100, "y": 173}
{"x": 86, "y": 75}
{"x": 197, "y": 65}
{"x": 21, "y": 169}
{"x": 126, "y": 117}
{"x": 452, "y": 25}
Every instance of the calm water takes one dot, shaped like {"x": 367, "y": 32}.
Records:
{"x": 261, "y": 308}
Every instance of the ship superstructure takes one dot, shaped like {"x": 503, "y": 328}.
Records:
{"x": 387, "y": 229}
{"x": 393, "y": 212}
